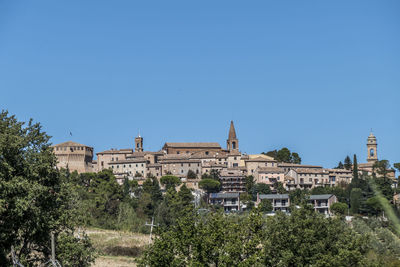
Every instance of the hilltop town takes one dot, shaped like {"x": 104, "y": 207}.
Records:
{"x": 193, "y": 161}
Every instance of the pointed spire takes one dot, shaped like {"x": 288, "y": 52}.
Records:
{"x": 232, "y": 132}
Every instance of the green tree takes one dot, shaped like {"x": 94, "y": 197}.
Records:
{"x": 339, "y": 208}
{"x": 397, "y": 166}
{"x": 266, "y": 205}
{"x": 191, "y": 175}
{"x": 355, "y": 169}
{"x": 347, "y": 163}
{"x": 250, "y": 182}
{"x": 298, "y": 196}
{"x": 260, "y": 188}
{"x": 35, "y": 200}
{"x": 296, "y": 158}
{"x": 170, "y": 181}
{"x": 381, "y": 167}
{"x": 340, "y": 165}
{"x": 280, "y": 189}
{"x": 355, "y": 200}
{"x": 209, "y": 185}
{"x": 305, "y": 238}
{"x": 375, "y": 207}
{"x": 284, "y": 155}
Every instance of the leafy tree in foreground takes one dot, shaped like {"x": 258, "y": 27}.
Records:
{"x": 34, "y": 199}
{"x": 304, "y": 238}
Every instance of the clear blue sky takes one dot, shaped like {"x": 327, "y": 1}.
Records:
{"x": 314, "y": 76}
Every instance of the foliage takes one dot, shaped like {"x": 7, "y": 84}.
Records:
{"x": 35, "y": 198}
{"x": 355, "y": 200}
{"x": 340, "y": 165}
{"x": 260, "y": 188}
{"x": 74, "y": 251}
{"x": 170, "y": 181}
{"x": 266, "y": 205}
{"x": 304, "y": 238}
{"x": 280, "y": 189}
{"x": 284, "y": 155}
{"x": 381, "y": 167}
{"x": 298, "y": 196}
{"x": 191, "y": 175}
{"x": 339, "y": 208}
{"x": 209, "y": 185}
{"x": 347, "y": 163}
{"x": 250, "y": 182}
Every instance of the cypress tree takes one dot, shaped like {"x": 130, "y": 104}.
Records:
{"x": 347, "y": 163}
{"x": 355, "y": 170}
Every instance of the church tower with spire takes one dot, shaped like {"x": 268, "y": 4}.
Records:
{"x": 372, "y": 146}
{"x": 232, "y": 144}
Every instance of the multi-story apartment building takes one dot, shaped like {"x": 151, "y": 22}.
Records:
{"x": 230, "y": 201}
{"x": 233, "y": 181}
{"x": 279, "y": 202}
{"x": 323, "y": 203}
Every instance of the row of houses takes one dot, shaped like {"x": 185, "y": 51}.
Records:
{"x": 280, "y": 202}
{"x": 202, "y": 158}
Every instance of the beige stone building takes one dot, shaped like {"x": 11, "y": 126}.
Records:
{"x": 270, "y": 175}
{"x": 74, "y": 156}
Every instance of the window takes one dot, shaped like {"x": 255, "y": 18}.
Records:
{"x": 235, "y": 164}
{"x": 142, "y": 164}
{"x": 371, "y": 152}
{"x": 234, "y": 158}
{"x": 124, "y": 165}
{"x": 181, "y": 171}
{"x": 102, "y": 163}
{"x": 112, "y": 159}
{"x": 136, "y": 165}
{"x": 112, "y": 166}
{"x": 178, "y": 152}
{"x": 310, "y": 180}
{"x": 207, "y": 152}
{"x": 117, "y": 158}
{"x": 130, "y": 165}
{"x": 117, "y": 166}
{"x": 189, "y": 164}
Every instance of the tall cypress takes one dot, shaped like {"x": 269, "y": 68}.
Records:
{"x": 355, "y": 170}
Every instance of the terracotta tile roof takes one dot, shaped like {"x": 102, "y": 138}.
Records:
{"x": 133, "y": 160}
{"x": 69, "y": 143}
{"x": 193, "y": 145}
{"x": 259, "y": 159}
{"x": 269, "y": 170}
{"x": 116, "y": 151}
{"x": 313, "y": 171}
{"x": 293, "y": 165}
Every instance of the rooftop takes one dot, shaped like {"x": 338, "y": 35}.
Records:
{"x": 274, "y": 196}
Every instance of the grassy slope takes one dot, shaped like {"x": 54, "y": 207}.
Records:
{"x": 117, "y": 248}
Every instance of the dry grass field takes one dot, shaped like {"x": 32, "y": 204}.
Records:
{"x": 117, "y": 248}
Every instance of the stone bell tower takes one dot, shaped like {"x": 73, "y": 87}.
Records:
{"x": 372, "y": 146}
{"x": 139, "y": 144}
{"x": 232, "y": 144}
